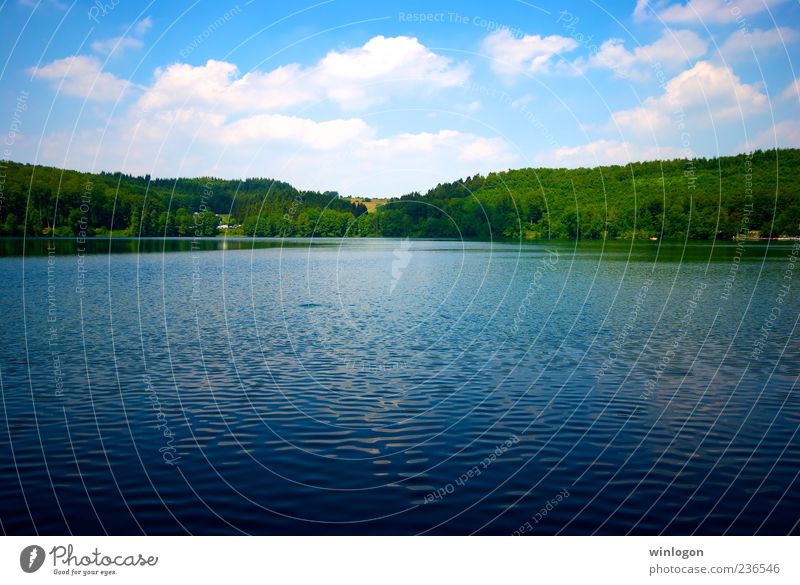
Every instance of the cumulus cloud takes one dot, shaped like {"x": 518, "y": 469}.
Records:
{"x": 701, "y": 95}
{"x": 759, "y": 42}
{"x": 291, "y": 129}
{"x": 670, "y": 52}
{"x": 703, "y": 11}
{"x": 211, "y": 118}
{"x": 343, "y": 154}
{"x": 512, "y": 56}
{"x": 354, "y": 78}
{"x": 219, "y": 85}
{"x": 483, "y": 150}
{"x": 402, "y": 62}
{"x": 640, "y": 12}
{"x": 82, "y": 76}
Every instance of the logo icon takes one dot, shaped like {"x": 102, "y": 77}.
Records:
{"x": 31, "y": 558}
{"x": 402, "y": 257}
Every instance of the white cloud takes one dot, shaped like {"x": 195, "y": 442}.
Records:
{"x": 360, "y": 77}
{"x": 704, "y": 11}
{"x": 307, "y": 133}
{"x": 371, "y": 74}
{"x": 143, "y": 26}
{"x": 219, "y": 85}
{"x": 116, "y": 46}
{"x": 522, "y": 100}
{"x": 792, "y": 92}
{"x": 401, "y": 163}
{"x": 469, "y": 108}
{"x": 512, "y": 56}
{"x": 607, "y": 152}
{"x": 785, "y": 134}
{"x": 670, "y": 52}
{"x": 197, "y": 120}
{"x": 475, "y": 149}
{"x": 758, "y": 41}
{"x": 341, "y": 154}
{"x": 82, "y": 76}
{"x": 696, "y": 97}
{"x": 640, "y": 12}
{"x": 33, "y": 3}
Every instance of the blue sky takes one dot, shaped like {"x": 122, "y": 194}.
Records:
{"x": 386, "y": 98}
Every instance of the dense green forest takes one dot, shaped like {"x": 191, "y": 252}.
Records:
{"x": 49, "y": 201}
{"x": 697, "y": 198}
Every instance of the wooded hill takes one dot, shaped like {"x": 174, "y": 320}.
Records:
{"x": 699, "y": 199}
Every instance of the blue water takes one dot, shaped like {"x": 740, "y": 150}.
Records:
{"x": 383, "y": 387}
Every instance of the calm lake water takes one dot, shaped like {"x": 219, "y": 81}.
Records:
{"x": 381, "y": 386}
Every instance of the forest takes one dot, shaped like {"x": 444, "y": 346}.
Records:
{"x": 703, "y": 198}
{"x": 46, "y": 201}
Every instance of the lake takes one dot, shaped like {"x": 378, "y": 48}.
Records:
{"x": 377, "y": 386}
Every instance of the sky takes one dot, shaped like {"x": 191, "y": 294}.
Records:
{"x": 385, "y": 98}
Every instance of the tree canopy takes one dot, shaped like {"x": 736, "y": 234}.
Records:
{"x": 696, "y": 199}
{"x": 700, "y": 198}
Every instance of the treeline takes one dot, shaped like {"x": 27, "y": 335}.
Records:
{"x": 699, "y": 199}
{"x": 45, "y": 201}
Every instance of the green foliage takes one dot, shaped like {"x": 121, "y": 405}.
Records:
{"x": 697, "y": 199}
{"x": 10, "y": 227}
{"x": 49, "y": 201}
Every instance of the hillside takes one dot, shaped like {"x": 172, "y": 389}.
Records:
{"x": 698, "y": 199}
{"x": 66, "y": 203}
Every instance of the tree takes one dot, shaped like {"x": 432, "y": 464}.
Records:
{"x": 10, "y": 228}
{"x": 33, "y": 225}
{"x": 76, "y": 221}
{"x": 208, "y": 222}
